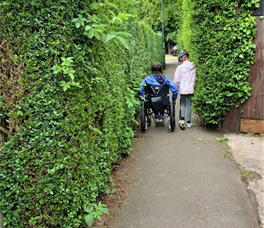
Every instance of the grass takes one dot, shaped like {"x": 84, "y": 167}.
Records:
{"x": 247, "y": 173}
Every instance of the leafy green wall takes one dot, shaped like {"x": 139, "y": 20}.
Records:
{"x": 188, "y": 28}
{"x": 150, "y": 12}
{"x": 219, "y": 36}
{"x": 68, "y": 86}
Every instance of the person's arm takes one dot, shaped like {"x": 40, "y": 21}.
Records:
{"x": 177, "y": 77}
{"x": 174, "y": 89}
{"x": 142, "y": 88}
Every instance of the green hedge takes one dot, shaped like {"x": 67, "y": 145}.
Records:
{"x": 219, "y": 36}
{"x": 153, "y": 44}
{"x": 69, "y": 99}
{"x": 188, "y": 29}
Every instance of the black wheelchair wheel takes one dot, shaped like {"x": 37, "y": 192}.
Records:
{"x": 172, "y": 115}
{"x": 142, "y": 118}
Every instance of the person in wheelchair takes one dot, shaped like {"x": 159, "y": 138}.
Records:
{"x": 154, "y": 84}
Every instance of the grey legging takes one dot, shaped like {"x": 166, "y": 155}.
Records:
{"x": 186, "y": 99}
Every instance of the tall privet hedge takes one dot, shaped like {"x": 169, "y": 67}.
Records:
{"x": 188, "y": 28}
{"x": 68, "y": 100}
{"x": 220, "y": 42}
{"x": 153, "y": 50}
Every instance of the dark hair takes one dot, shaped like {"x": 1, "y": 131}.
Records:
{"x": 156, "y": 68}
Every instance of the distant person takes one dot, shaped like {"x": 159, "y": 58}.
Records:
{"x": 174, "y": 50}
{"x": 184, "y": 79}
{"x": 157, "y": 78}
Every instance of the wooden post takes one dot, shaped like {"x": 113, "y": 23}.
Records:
{"x": 1, "y": 220}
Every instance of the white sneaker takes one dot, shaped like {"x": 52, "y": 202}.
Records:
{"x": 181, "y": 122}
{"x": 189, "y": 124}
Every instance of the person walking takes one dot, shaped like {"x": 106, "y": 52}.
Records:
{"x": 184, "y": 79}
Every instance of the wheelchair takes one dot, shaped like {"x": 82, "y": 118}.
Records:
{"x": 157, "y": 99}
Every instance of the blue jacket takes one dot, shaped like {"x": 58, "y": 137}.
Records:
{"x": 152, "y": 80}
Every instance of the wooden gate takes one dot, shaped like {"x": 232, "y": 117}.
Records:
{"x": 252, "y": 117}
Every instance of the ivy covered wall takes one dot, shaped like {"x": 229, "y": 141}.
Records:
{"x": 68, "y": 74}
{"x": 219, "y": 36}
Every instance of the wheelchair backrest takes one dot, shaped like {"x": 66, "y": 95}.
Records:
{"x": 155, "y": 91}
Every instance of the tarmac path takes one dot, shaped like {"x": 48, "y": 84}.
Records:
{"x": 183, "y": 180}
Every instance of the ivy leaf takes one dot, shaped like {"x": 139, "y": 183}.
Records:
{"x": 86, "y": 209}
{"x": 76, "y": 84}
{"x": 105, "y": 210}
{"x": 124, "y": 16}
{"x": 112, "y": 13}
{"x": 78, "y": 24}
{"x": 125, "y": 34}
{"x": 104, "y": 17}
{"x": 91, "y": 33}
{"x": 116, "y": 20}
{"x": 111, "y": 4}
{"x": 95, "y": 129}
{"x": 94, "y": 6}
{"x": 71, "y": 75}
{"x": 87, "y": 27}
{"x": 75, "y": 19}
{"x": 123, "y": 41}
{"x": 89, "y": 219}
{"x": 108, "y": 37}
{"x": 56, "y": 69}
{"x": 97, "y": 35}
{"x": 64, "y": 85}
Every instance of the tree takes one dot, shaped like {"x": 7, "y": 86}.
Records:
{"x": 151, "y": 13}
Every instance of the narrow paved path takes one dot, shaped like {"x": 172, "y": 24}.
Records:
{"x": 183, "y": 180}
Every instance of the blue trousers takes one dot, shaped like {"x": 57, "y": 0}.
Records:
{"x": 186, "y": 101}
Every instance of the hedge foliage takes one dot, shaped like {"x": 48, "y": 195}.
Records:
{"x": 68, "y": 74}
{"x": 150, "y": 12}
{"x": 219, "y": 36}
